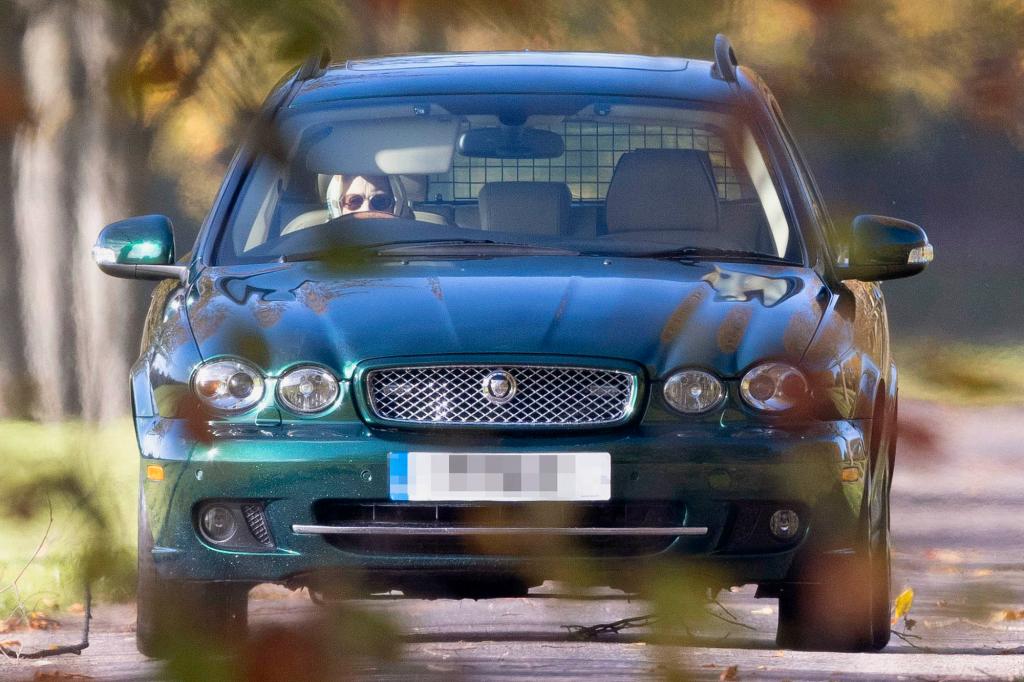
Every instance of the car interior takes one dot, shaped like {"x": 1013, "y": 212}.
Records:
{"x": 670, "y": 186}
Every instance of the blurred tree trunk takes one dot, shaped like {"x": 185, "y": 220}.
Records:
{"x": 101, "y": 307}
{"x": 11, "y": 113}
{"x": 72, "y": 160}
{"x": 41, "y": 206}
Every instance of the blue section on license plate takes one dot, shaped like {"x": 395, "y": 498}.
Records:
{"x": 398, "y": 475}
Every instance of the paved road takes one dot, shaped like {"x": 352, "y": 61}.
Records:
{"x": 959, "y": 524}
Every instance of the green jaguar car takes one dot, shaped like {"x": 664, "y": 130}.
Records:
{"x": 458, "y": 324}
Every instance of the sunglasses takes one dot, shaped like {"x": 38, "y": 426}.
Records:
{"x": 378, "y": 202}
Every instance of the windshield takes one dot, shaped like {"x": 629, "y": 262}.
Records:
{"x": 555, "y": 174}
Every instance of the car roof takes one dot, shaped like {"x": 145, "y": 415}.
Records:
{"x": 516, "y": 73}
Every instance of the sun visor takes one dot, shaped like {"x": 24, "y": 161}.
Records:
{"x": 412, "y": 146}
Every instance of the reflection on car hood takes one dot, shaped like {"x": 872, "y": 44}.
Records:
{"x": 661, "y": 314}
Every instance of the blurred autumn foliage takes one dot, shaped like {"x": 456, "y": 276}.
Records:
{"x": 867, "y": 73}
{"x": 913, "y": 108}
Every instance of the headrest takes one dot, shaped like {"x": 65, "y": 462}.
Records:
{"x": 527, "y": 207}
{"x": 662, "y": 189}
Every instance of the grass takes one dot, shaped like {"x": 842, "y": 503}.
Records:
{"x": 961, "y": 373}
{"x": 87, "y": 475}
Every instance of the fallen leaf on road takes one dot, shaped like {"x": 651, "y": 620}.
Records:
{"x": 10, "y": 644}
{"x": 76, "y": 608}
{"x": 37, "y": 620}
{"x": 778, "y": 654}
{"x": 944, "y": 556}
{"x": 1008, "y": 615}
{"x": 903, "y": 604}
{"x": 58, "y": 675}
{"x": 10, "y": 625}
{"x": 730, "y": 673}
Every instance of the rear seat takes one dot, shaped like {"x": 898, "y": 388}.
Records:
{"x": 742, "y": 221}
{"x": 583, "y": 218}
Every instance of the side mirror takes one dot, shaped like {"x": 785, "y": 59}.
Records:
{"x": 885, "y": 248}
{"x": 138, "y": 248}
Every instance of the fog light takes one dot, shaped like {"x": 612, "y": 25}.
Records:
{"x": 784, "y": 524}
{"x": 218, "y": 524}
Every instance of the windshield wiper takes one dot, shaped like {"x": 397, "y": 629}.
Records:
{"x": 470, "y": 248}
{"x": 340, "y": 249}
{"x": 709, "y": 253}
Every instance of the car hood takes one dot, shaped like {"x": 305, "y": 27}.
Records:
{"x": 661, "y": 314}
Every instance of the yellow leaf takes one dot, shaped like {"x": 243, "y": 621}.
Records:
{"x": 903, "y": 604}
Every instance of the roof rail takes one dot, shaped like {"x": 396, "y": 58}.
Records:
{"x": 315, "y": 65}
{"x": 725, "y": 60}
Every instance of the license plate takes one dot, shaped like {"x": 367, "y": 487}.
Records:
{"x": 490, "y": 476}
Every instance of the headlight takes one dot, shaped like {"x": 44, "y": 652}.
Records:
{"x": 228, "y": 385}
{"x": 774, "y": 387}
{"x": 307, "y": 389}
{"x": 693, "y": 391}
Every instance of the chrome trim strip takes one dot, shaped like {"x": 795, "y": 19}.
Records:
{"x": 366, "y": 529}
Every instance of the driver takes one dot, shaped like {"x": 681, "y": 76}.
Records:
{"x": 370, "y": 195}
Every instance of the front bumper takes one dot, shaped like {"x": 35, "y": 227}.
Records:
{"x": 727, "y": 476}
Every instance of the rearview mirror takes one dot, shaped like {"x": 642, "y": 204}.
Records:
{"x": 511, "y": 142}
{"x": 885, "y": 248}
{"x": 138, "y": 248}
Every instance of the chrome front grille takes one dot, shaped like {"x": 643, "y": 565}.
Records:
{"x": 539, "y": 395}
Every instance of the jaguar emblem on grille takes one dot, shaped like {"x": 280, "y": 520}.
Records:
{"x": 499, "y": 387}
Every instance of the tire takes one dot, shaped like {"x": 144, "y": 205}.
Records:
{"x": 171, "y": 615}
{"x": 844, "y": 603}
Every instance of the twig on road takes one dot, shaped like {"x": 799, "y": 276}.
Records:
{"x": 20, "y": 607}
{"x": 587, "y": 632}
{"x": 731, "y": 620}
{"x": 906, "y": 637}
{"x": 592, "y": 631}
{"x": 77, "y": 648}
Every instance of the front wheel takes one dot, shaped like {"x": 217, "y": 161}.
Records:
{"x": 174, "y": 614}
{"x": 844, "y": 605}
{"x": 846, "y": 608}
